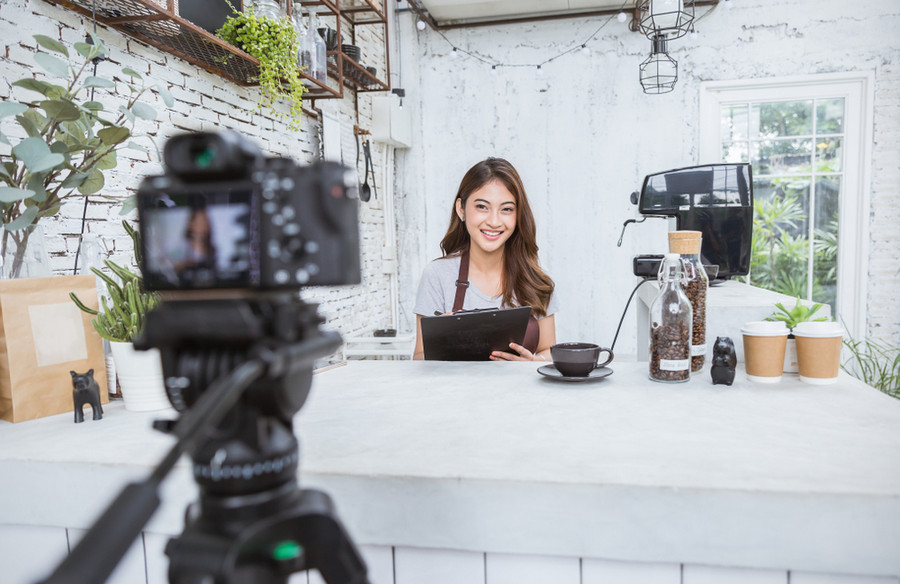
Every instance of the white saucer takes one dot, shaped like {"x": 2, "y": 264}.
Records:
{"x": 551, "y": 372}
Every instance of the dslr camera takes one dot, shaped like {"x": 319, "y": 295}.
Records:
{"x": 225, "y": 216}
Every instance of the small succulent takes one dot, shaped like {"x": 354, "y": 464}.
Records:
{"x": 797, "y": 314}
{"x": 122, "y": 317}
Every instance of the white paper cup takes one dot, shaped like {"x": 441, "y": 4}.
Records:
{"x": 819, "y": 351}
{"x": 764, "y": 344}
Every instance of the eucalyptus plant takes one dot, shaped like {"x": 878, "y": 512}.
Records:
{"x": 66, "y": 136}
{"x": 122, "y": 316}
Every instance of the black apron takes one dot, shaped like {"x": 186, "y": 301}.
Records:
{"x": 532, "y": 333}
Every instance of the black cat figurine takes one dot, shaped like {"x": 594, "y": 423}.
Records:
{"x": 86, "y": 391}
{"x": 723, "y": 362}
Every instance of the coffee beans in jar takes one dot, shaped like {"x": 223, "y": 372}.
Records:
{"x": 695, "y": 290}
{"x": 670, "y": 351}
{"x": 696, "y": 282}
{"x": 670, "y": 328}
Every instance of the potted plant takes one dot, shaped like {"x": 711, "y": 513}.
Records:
{"x": 274, "y": 43}
{"x": 120, "y": 319}
{"x": 799, "y": 313}
{"x": 65, "y": 142}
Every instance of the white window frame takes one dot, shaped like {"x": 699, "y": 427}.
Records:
{"x": 858, "y": 91}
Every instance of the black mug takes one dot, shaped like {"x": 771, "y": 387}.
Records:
{"x": 578, "y": 359}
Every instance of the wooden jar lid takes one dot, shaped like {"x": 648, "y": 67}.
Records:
{"x": 685, "y": 242}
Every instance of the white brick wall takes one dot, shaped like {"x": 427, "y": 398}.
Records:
{"x": 203, "y": 102}
{"x": 583, "y": 135}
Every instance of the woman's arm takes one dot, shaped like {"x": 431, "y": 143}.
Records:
{"x": 547, "y": 339}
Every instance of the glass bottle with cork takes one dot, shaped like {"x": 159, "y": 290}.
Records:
{"x": 670, "y": 326}
{"x": 696, "y": 283}
{"x": 266, "y": 8}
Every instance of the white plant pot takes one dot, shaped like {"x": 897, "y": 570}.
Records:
{"x": 140, "y": 375}
{"x": 790, "y": 356}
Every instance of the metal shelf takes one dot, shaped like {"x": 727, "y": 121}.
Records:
{"x": 161, "y": 27}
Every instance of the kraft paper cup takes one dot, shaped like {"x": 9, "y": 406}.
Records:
{"x": 819, "y": 351}
{"x": 764, "y": 344}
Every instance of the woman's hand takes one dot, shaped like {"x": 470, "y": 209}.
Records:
{"x": 523, "y": 354}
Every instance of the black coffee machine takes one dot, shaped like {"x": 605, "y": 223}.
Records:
{"x": 714, "y": 199}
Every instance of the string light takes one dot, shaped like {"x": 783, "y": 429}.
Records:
{"x": 420, "y": 24}
{"x": 659, "y": 62}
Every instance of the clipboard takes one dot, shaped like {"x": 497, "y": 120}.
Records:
{"x": 473, "y": 335}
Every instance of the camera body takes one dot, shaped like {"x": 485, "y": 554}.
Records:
{"x": 224, "y": 216}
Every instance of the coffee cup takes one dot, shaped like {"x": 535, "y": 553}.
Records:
{"x": 819, "y": 351}
{"x": 578, "y": 359}
{"x": 764, "y": 344}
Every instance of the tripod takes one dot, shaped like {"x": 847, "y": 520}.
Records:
{"x": 238, "y": 370}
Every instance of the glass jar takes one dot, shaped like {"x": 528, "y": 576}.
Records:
{"x": 23, "y": 253}
{"x": 670, "y": 326}
{"x": 696, "y": 284}
{"x": 268, "y": 8}
{"x": 303, "y": 57}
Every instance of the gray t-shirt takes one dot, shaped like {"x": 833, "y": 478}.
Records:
{"x": 437, "y": 290}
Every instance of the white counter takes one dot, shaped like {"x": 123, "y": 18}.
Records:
{"x": 493, "y": 458}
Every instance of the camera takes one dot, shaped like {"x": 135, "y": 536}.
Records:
{"x": 225, "y": 216}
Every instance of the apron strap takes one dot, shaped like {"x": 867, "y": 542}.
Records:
{"x": 462, "y": 281}
{"x": 532, "y": 332}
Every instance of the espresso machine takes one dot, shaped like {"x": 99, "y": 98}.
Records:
{"x": 714, "y": 199}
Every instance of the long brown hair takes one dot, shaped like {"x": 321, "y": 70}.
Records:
{"x": 524, "y": 282}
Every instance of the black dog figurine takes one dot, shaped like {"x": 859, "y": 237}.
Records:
{"x": 723, "y": 362}
{"x": 86, "y": 391}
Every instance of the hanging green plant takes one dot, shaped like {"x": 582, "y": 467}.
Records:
{"x": 274, "y": 43}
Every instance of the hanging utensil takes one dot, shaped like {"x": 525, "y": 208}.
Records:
{"x": 370, "y": 164}
{"x": 364, "y": 191}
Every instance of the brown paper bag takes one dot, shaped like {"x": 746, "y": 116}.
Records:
{"x": 44, "y": 336}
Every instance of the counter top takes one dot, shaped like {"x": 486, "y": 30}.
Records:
{"x": 494, "y": 457}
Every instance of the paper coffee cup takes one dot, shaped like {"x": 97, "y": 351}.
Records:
{"x": 764, "y": 344}
{"x": 819, "y": 351}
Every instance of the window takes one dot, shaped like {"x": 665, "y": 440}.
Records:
{"x": 808, "y": 141}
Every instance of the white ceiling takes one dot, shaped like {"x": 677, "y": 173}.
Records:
{"x": 480, "y": 11}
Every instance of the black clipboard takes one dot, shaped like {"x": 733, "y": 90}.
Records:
{"x": 473, "y": 335}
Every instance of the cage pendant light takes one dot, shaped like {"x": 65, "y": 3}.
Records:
{"x": 669, "y": 18}
{"x": 659, "y": 72}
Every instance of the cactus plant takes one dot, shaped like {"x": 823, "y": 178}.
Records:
{"x": 122, "y": 316}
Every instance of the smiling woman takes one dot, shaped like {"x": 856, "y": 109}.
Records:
{"x": 490, "y": 261}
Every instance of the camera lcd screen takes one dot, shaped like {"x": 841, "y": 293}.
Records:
{"x": 199, "y": 240}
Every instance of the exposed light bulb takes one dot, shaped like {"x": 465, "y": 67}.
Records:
{"x": 494, "y": 70}
{"x": 540, "y": 71}
{"x": 585, "y": 50}
{"x": 454, "y": 53}
{"x": 420, "y": 24}
{"x": 693, "y": 34}
{"x": 621, "y": 17}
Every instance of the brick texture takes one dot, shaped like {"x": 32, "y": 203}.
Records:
{"x": 203, "y": 101}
